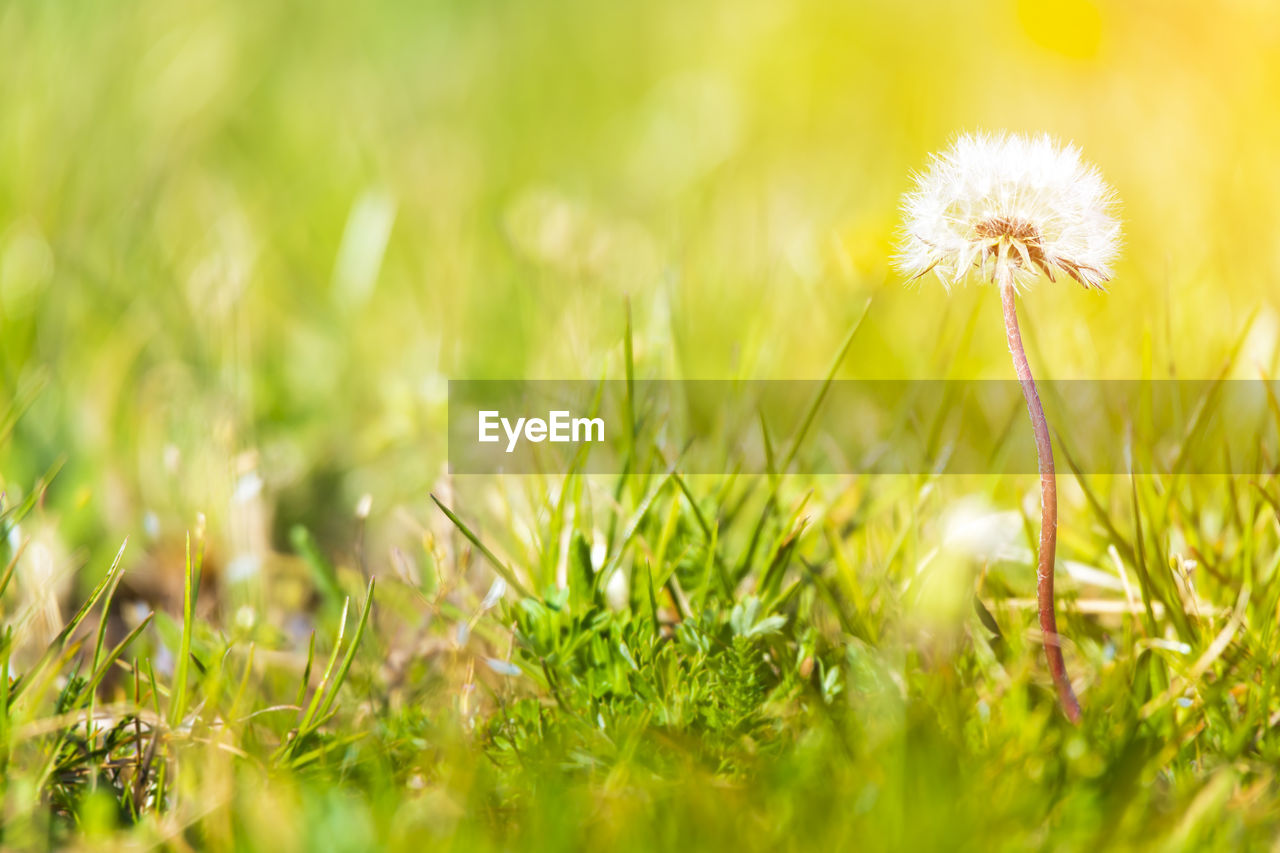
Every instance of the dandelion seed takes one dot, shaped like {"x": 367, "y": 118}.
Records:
{"x": 151, "y": 524}
{"x": 1014, "y": 208}
{"x": 243, "y": 567}
{"x": 502, "y": 667}
{"x": 246, "y": 618}
{"x": 494, "y": 595}
{"x": 248, "y": 487}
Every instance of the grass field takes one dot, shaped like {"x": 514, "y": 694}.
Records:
{"x": 243, "y": 248}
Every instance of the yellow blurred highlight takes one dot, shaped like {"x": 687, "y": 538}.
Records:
{"x": 1069, "y": 27}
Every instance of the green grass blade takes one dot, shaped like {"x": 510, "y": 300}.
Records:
{"x": 812, "y": 412}
{"x": 352, "y": 648}
{"x": 322, "y": 571}
{"x": 313, "y": 706}
{"x": 191, "y": 580}
{"x": 500, "y": 567}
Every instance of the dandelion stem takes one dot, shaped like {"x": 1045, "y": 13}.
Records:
{"x": 1048, "y": 497}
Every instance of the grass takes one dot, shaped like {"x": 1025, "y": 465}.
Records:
{"x": 759, "y": 663}
{"x": 244, "y": 245}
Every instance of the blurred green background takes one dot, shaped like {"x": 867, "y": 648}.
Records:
{"x": 244, "y": 245}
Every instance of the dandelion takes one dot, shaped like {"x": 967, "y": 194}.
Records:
{"x": 1011, "y": 209}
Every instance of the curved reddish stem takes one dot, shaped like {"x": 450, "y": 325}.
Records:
{"x": 1048, "y": 500}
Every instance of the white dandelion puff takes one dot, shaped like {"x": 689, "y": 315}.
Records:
{"x": 1024, "y": 204}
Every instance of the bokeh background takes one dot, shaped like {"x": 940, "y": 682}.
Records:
{"x": 244, "y": 245}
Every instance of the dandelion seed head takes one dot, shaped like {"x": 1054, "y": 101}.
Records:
{"x": 1025, "y": 204}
